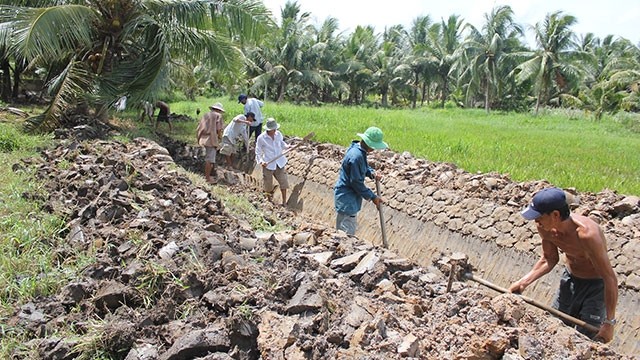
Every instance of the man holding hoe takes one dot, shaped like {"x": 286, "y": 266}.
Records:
{"x": 588, "y": 287}
{"x": 270, "y": 154}
{"x": 232, "y": 136}
{"x": 350, "y": 188}
{"x": 208, "y": 134}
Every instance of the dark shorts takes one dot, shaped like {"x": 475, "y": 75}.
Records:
{"x": 164, "y": 118}
{"x": 582, "y": 299}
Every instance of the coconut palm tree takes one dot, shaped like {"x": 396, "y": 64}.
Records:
{"x": 484, "y": 52}
{"x": 613, "y": 76}
{"x": 389, "y": 65}
{"x": 112, "y": 48}
{"x": 443, "y": 45}
{"x": 421, "y": 67}
{"x": 291, "y": 54}
{"x": 355, "y": 69}
{"x": 325, "y": 58}
{"x": 550, "y": 64}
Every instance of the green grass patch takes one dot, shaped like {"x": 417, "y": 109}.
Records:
{"x": 28, "y": 267}
{"x": 240, "y": 207}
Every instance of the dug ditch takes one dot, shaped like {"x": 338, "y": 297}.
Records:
{"x": 436, "y": 208}
{"x": 172, "y": 274}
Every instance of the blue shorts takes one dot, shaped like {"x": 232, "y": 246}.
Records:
{"x": 346, "y": 223}
{"x": 582, "y": 299}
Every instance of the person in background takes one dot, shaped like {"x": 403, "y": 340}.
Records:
{"x": 270, "y": 148}
{"x": 208, "y": 134}
{"x": 147, "y": 111}
{"x": 588, "y": 287}
{"x": 235, "y": 131}
{"x": 350, "y": 188}
{"x": 163, "y": 114}
{"x": 253, "y": 105}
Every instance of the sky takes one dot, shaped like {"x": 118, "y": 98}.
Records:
{"x": 601, "y": 17}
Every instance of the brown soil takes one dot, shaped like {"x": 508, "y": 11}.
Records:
{"x": 178, "y": 277}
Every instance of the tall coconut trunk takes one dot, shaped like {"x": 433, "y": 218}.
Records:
{"x": 5, "y": 91}
{"x": 414, "y": 95}
{"x": 486, "y": 98}
{"x": 281, "y": 89}
{"x": 385, "y": 96}
{"x": 444, "y": 94}
{"x": 17, "y": 72}
{"x": 425, "y": 94}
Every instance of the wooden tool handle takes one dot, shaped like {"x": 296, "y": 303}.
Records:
{"x": 535, "y": 303}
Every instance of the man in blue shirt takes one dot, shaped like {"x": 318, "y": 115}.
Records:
{"x": 350, "y": 188}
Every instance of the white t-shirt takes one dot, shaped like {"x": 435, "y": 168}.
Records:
{"x": 236, "y": 129}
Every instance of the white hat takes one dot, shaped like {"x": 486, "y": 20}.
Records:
{"x": 217, "y": 106}
{"x": 272, "y": 124}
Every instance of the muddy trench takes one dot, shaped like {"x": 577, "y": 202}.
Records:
{"x": 435, "y": 208}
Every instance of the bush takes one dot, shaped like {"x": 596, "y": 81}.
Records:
{"x": 9, "y": 139}
{"x": 629, "y": 120}
{"x": 12, "y": 139}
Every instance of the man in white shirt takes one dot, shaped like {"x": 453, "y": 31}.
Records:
{"x": 236, "y": 130}
{"x": 254, "y": 106}
{"x": 270, "y": 153}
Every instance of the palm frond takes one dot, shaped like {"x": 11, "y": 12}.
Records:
{"x": 243, "y": 19}
{"x": 65, "y": 89}
{"x": 33, "y": 29}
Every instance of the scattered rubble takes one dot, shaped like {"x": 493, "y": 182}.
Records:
{"x": 177, "y": 277}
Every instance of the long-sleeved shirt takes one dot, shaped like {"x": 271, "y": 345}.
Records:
{"x": 350, "y": 188}
{"x": 268, "y": 148}
{"x": 254, "y": 105}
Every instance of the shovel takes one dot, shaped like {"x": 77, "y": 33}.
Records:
{"x": 307, "y": 137}
{"x": 535, "y": 303}
{"x": 385, "y": 244}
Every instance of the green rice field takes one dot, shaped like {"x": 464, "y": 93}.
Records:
{"x": 565, "y": 149}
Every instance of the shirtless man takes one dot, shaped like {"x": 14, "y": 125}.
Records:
{"x": 163, "y": 114}
{"x": 588, "y": 288}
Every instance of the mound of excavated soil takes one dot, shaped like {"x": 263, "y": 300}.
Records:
{"x": 177, "y": 277}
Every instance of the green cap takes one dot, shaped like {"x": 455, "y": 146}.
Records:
{"x": 373, "y": 138}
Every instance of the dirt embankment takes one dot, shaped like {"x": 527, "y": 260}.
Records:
{"x": 177, "y": 277}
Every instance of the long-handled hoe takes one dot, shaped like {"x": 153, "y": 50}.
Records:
{"x": 535, "y": 303}
{"x": 382, "y": 227}
{"x": 307, "y": 137}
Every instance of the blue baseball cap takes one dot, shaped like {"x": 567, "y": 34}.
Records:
{"x": 544, "y": 202}
{"x": 241, "y": 97}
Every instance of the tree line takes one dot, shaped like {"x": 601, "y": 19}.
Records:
{"x": 448, "y": 60}
{"x": 96, "y": 51}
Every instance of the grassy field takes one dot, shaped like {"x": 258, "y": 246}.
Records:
{"x": 565, "y": 149}
{"x": 27, "y": 234}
